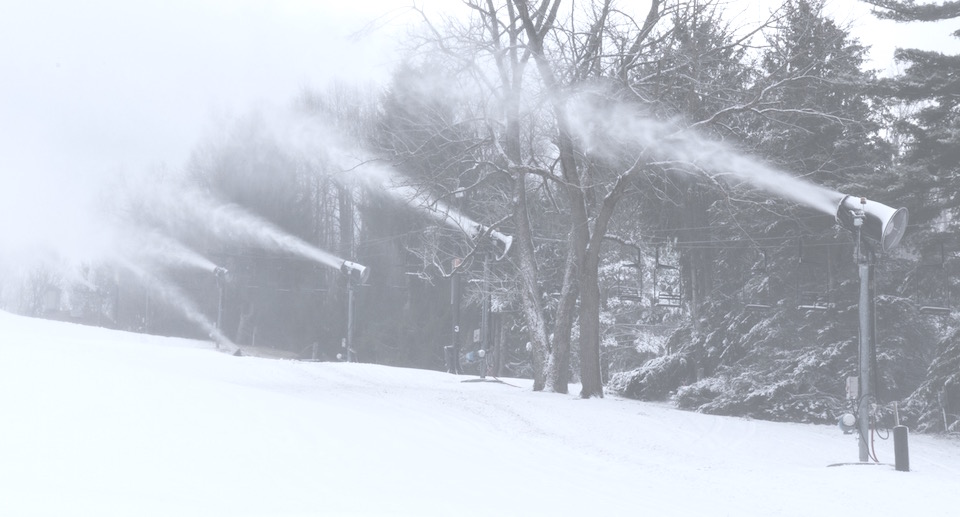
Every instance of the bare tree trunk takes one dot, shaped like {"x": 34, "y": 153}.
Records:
{"x": 579, "y": 234}
{"x": 558, "y": 365}
{"x": 510, "y": 67}
{"x": 532, "y": 308}
{"x": 591, "y": 371}
{"x": 529, "y": 274}
{"x": 591, "y": 375}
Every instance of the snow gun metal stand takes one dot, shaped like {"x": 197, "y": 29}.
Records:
{"x": 356, "y": 275}
{"x": 482, "y": 356}
{"x": 491, "y": 379}
{"x": 451, "y": 353}
{"x": 220, "y": 273}
{"x": 874, "y": 224}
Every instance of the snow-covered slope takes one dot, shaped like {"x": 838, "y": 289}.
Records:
{"x": 97, "y": 422}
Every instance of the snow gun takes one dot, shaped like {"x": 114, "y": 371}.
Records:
{"x": 875, "y": 220}
{"x": 506, "y": 240}
{"x": 354, "y": 271}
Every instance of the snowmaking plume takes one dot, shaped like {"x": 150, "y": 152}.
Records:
{"x": 227, "y": 221}
{"x": 309, "y": 139}
{"x": 382, "y": 178}
{"x": 153, "y": 246}
{"x": 603, "y": 129}
{"x": 175, "y": 298}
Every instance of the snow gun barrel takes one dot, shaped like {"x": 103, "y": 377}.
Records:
{"x": 506, "y": 240}
{"x": 877, "y": 221}
{"x": 221, "y": 274}
{"x": 354, "y": 271}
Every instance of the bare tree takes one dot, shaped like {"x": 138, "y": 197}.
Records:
{"x": 536, "y": 147}
{"x": 535, "y": 61}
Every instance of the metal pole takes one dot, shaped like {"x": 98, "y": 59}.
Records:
{"x": 220, "y": 308}
{"x": 867, "y": 351}
{"x": 485, "y": 316}
{"x": 220, "y": 274}
{"x": 349, "y": 351}
{"x": 455, "y": 301}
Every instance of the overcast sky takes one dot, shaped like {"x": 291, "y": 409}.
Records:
{"x": 93, "y": 89}
{"x": 129, "y": 83}
{"x": 90, "y": 89}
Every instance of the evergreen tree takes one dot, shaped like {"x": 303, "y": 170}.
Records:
{"x": 929, "y": 161}
{"x": 908, "y": 10}
{"x": 811, "y": 117}
{"x": 930, "y": 152}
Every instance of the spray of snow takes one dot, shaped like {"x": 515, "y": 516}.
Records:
{"x": 156, "y": 247}
{"x": 175, "y": 298}
{"x": 604, "y": 129}
{"x": 186, "y": 206}
{"x": 309, "y": 139}
{"x": 391, "y": 183}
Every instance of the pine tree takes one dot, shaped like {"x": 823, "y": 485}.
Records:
{"x": 929, "y": 162}
{"x": 813, "y": 119}
{"x": 908, "y": 11}
{"x": 931, "y": 132}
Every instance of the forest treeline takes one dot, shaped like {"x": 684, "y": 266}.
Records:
{"x": 629, "y": 156}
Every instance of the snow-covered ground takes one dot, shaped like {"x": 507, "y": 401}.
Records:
{"x": 104, "y": 423}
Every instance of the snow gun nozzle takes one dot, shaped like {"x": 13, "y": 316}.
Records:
{"x": 355, "y": 272}
{"x": 877, "y": 221}
{"x": 506, "y": 240}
